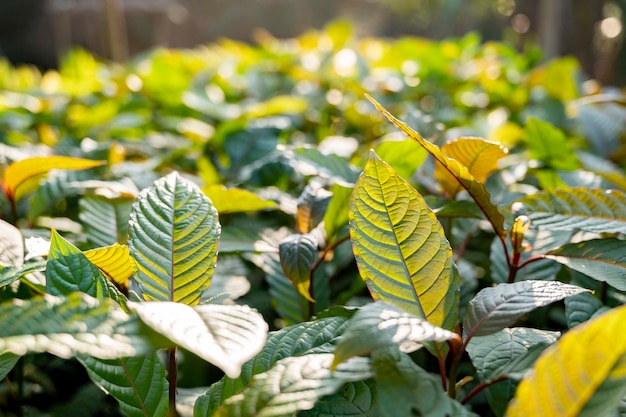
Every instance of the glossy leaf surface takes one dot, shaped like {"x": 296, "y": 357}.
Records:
{"x": 114, "y": 261}
{"x": 105, "y": 220}
{"x": 298, "y": 254}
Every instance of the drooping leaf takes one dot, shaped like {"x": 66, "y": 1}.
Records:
{"x": 234, "y": 200}
{"x": 10, "y": 274}
{"x": 318, "y": 336}
{"x": 20, "y": 172}
{"x": 354, "y": 399}
{"x": 7, "y": 362}
{"x": 591, "y": 210}
{"x": 114, "y": 261}
{"x": 336, "y": 215}
{"x": 601, "y": 259}
{"x": 137, "y": 383}
{"x": 66, "y": 326}
{"x": 475, "y": 189}
{"x": 105, "y": 220}
{"x": 495, "y": 308}
{"x": 505, "y": 352}
{"x": 311, "y": 207}
{"x": 325, "y": 165}
{"x": 298, "y": 254}
{"x": 582, "y": 375}
{"x": 294, "y": 384}
{"x": 400, "y": 247}
{"x": 380, "y": 325}
{"x": 224, "y": 335}
{"x": 581, "y": 307}
{"x": 480, "y": 156}
{"x": 549, "y": 145}
{"x": 11, "y": 245}
{"x": 405, "y": 389}
{"x": 174, "y": 231}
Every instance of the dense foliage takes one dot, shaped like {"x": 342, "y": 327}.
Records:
{"x": 147, "y": 207}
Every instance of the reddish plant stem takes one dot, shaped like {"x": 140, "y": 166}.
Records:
{"x": 478, "y": 388}
{"x": 172, "y": 377}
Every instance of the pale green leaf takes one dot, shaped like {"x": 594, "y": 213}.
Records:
{"x": 137, "y": 383}
{"x": 380, "y": 325}
{"x": 336, "y": 215}
{"x": 11, "y": 245}
{"x": 591, "y": 210}
{"x": 325, "y": 165}
{"x": 400, "y": 247}
{"x": 224, "y": 335}
{"x": 298, "y": 254}
{"x": 495, "y": 308}
{"x": 69, "y": 326}
{"x": 234, "y": 200}
{"x": 583, "y": 374}
{"x": 105, "y": 220}
{"x": 174, "y": 231}
{"x": 549, "y": 145}
{"x": 294, "y": 384}
{"x": 11, "y": 274}
{"x": 601, "y": 259}
{"x": 404, "y": 155}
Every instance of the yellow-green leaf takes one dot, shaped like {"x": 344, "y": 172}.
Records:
{"x": 480, "y": 156}
{"x": 20, "y": 172}
{"x": 583, "y": 374}
{"x": 475, "y": 188}
{"x": 234, "y": 200}
{"x": 114, "y": 261}
{"x": 400, "y": 247}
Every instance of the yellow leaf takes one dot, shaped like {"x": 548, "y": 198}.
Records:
{"x": 583, "y": 374}
{"x": 114, "y": 261}
{"x": 235, "y": 200}
{"x": 20, "y": 172}
{"x": 478, "y": 155}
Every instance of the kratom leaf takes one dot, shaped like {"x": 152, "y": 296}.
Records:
{"x": 582, "y": 375}
{"x": 405, "y": 389}
{"x": 234, "y": 200}
{"x": 298, "y": 254}
{"x": 294, "y": 384}
{"x": 66, "y": 326}
{"x": 7, "y": 362}
{"x": 11, "y": 245}
{"x": 354, "y": 399}
{"x": 224, "y": 335}
{"x": 317, "y": 336}
{"x": 114, "y": 261}
{"x": 581, "y": 307}
{"x": 10, "y": 274}
{"x": 480, "y": 156}
{"x": 53, "y": 189}
{"x": 601, "y": 259}
{"x": 475, "y": 189}
{"x": 591, "y": 210}
{"x": 380, "y": 325}
{"x": 444, "y": 208}
{"x": 325, "y": 165}
{"x": 400, "y": 247}
{"x": 174, "y": 231}
{"x": 549, "y": 145}
{"x": 336, "y": 215}
{"x": 19, "y": 172}
{"x": 137, "y": 383}
{"x": 495, "y": 308}
{"x": 105, "y": 220}
{"x": 311, "y": 207}
{"x": 405, "y": 155}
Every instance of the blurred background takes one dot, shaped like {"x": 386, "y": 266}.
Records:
{"x": 40, "y": 31}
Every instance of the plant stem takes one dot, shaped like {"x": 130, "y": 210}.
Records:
{"x": 13, "y": 211}
{"x": 478, "y": 388}
{"x": 442, "y": 373}
{"x": 172, "y": 376}
{"x": 603, "y": 292}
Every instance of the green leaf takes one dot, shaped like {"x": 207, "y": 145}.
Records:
{"x": 480, "y": 156}
{"x": 581, "y": 307}
{"x": 224, "y": 335}
{"x": 336, "y": 215}
{"x": 174, "y": 231}
{"x": 583, "y": 374}
{"x": 591, "y": 210}
{"x": 445, "y": 208}
{"x": 549, "y": 145}
{"x": 298, "y": 254}
{"x": 404, "y": 155}
{"x": 312, "y": 205}
{"x": 380, "y": 325}
{"x": 105, "y": 220}
{"x": 235, "y": 200}
{"x": 475, "y": 189}
{"x": 69, "y": 326}
{"x": 317, "y": 336}
{"x": 294, "y": 384}
{"x": 7, "y": 362}
{"x": 325, "y": 165}
{"x": 11, "y": 245}
{"x": 400, "y": 247}
{"x": 10, "y": 274}
{"x": 137, "y": 383}
{"x": 495, "y": 308}
{"x": 113, "y": 261}
{"x": 354, "y": 399}
{"x": 404, "y": 389}
{"x": 601, "y": 259}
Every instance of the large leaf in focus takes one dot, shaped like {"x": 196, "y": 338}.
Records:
{"x": 114, "y": 262}
{"x": 174, "y": 231}
{"x": 601, "y": 259}
{"x": 480, "y": 156}
{"x": 224, "y": 335}
{"x": 105, "y": 220}
{"x": 380, "y": 325}
{"x": 495, "y": 308}
{"x": 549, "y": 145}
{"x": 354, "y": 399}
{"x": 234, "y": 200}
{"x": 591, "y": 210}
{"x": 317, "y": 336}
{"x": 583, "y": 374}
{"x": 11, "y": 245}
{"x": 298, "y": 254}
{"x": 294, "y": 384}
{"x": 400, "y": 247}
{"x": 18, "y": 173}
{"x": 137, "y": 383}
{"x": 475, "y": 188}
{"x": 405, "y": 389}
{"x": 66, "y": 326}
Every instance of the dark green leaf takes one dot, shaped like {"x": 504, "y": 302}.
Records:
{"x": 298, "y": 254}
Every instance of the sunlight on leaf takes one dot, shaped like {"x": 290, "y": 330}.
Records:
{"x": 235, "y": 200}
{"x": 114, "y": 261}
